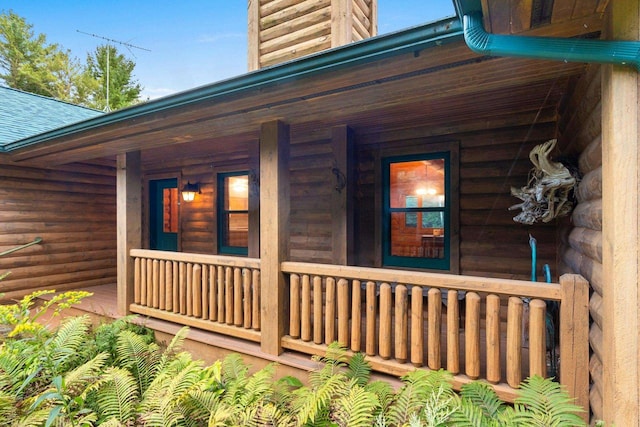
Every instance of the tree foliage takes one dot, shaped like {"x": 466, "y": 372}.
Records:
{"x": 113, "y": 72}
{"x": 30, "y": 63}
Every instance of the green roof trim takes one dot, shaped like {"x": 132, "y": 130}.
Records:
{"x": 619, "y": 52}
{"x": 410, "y": 40}
{"x": 24, "y": 114}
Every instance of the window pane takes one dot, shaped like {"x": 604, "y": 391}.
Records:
{"x": 236, "y": 230}
{"x": 415, "y": 242}
{"x": 432, "y": 220}
{"x": 417, "y": 184}
{"x": 237, "y": 193}
{"x": 170, "y": 210}
{"x": 433, "y": 244}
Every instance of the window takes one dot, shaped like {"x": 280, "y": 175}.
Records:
{"x": 417, "y": 203}
{"x": 233, "y": 213}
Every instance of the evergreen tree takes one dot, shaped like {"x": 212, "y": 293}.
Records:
{"x": 25, "y": 58}
{"x": 114, "y": 71}
{"x": 29, "y": 63}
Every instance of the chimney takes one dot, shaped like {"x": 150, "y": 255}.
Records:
{"x": 281, "y": 30}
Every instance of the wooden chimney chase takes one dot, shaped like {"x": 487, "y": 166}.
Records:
{"x": 281, "y": 30}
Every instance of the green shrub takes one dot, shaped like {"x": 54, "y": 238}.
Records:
{"x": 117, "y": 375}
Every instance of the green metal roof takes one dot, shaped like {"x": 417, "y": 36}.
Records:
{"x": 412, "y": 39}
{"x": 24, "y": 115}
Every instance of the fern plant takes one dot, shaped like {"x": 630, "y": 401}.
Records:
{"x": 542, "y": 402}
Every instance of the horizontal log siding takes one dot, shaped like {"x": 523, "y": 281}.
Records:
{"x": 73, "y": 210}
{"x": 198, "y": 164}
{"x": 581, "y": 130}
{"x": 491, "y": 161}
{"x": 311, "y": 185}
{"x": 290, "y": 29}
{"x": 282, "y": 30}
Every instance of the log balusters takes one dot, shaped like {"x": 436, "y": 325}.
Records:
{"x": 212, "y": 292}
{"x": 476, "y": 328}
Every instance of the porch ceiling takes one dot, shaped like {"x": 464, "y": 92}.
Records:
{"x": 441, "y": 88}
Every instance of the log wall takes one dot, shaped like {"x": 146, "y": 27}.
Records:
{"x": 491, "y": 161}
{"x": 282, "y": 30}
{"x": 582, "y": 240}
{"x": 198, "y": 164}
{"x": 73, "y": 209}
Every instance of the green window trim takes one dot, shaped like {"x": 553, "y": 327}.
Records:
{"x": 414, "y": 216}
{"x": 223, "y": 213}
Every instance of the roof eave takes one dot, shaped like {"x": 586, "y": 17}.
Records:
{"x": 413, "y": 39}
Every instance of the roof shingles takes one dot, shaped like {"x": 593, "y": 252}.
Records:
{"x": 24, "y": 114}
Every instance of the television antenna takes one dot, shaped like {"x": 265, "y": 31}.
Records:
{"x": 129, "y": 46}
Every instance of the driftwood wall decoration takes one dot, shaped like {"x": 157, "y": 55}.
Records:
{"x": 548, "y": 193}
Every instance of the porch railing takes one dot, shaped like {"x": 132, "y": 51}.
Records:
{"x": 399, "y": 320}
{"x": 214, "y": 293}
{"x": 476, "y": 328}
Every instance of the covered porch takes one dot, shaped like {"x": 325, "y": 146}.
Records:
{"x": 314, "y": 138}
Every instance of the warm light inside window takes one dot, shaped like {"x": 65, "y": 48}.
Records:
{"x": 416, "y": 196}
{"x": 238, "y": 192}
{"x": 234, "y": 213}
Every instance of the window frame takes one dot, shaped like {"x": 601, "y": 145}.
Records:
{"x": 221, "y": 213}
{"x": 419, "y": 145}
{"x": 407, "y": 261}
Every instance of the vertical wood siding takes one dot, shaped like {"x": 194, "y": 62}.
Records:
{"x": 73, "y": 209}
{"x": 582, "y": 240}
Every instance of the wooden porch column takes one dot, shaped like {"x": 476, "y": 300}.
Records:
{"x": 274, "y": 231}
{"x": 341, "y": 196}
{"x": 621, "y": 234}
{"x": 129, "y": 223}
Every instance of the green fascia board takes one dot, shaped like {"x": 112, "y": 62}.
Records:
{"x": 413, "y": 39}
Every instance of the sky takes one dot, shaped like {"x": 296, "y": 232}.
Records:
{"x": 186, "y": 43}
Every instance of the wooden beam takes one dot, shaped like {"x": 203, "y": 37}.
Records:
{"x": 254, "y": 200}
{"x": 274, "y": 231}
{"x": 129, "y": 223}
{"x": 253, "y": 36}
{"x": 373, "y": 17}
{"x": 621, "y": 233}
{"x": 341, "y": 22}
{"x": 341, "y": 195}
{"x": 574, "y": 338}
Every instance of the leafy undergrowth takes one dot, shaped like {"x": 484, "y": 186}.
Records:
{"x": 117, "y": 375}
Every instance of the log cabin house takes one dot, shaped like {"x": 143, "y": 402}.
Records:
{"x": 350, "y": 183}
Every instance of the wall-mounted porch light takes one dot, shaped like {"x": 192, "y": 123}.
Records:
{"x": 189, "y": 191}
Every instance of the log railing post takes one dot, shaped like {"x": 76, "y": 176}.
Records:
{"x": 274, "y": 231}
{"x": 574, "y": 338}
{"x": 129, "y": 224}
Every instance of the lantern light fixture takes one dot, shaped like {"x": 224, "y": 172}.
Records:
{"x": 189, "y": 191}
